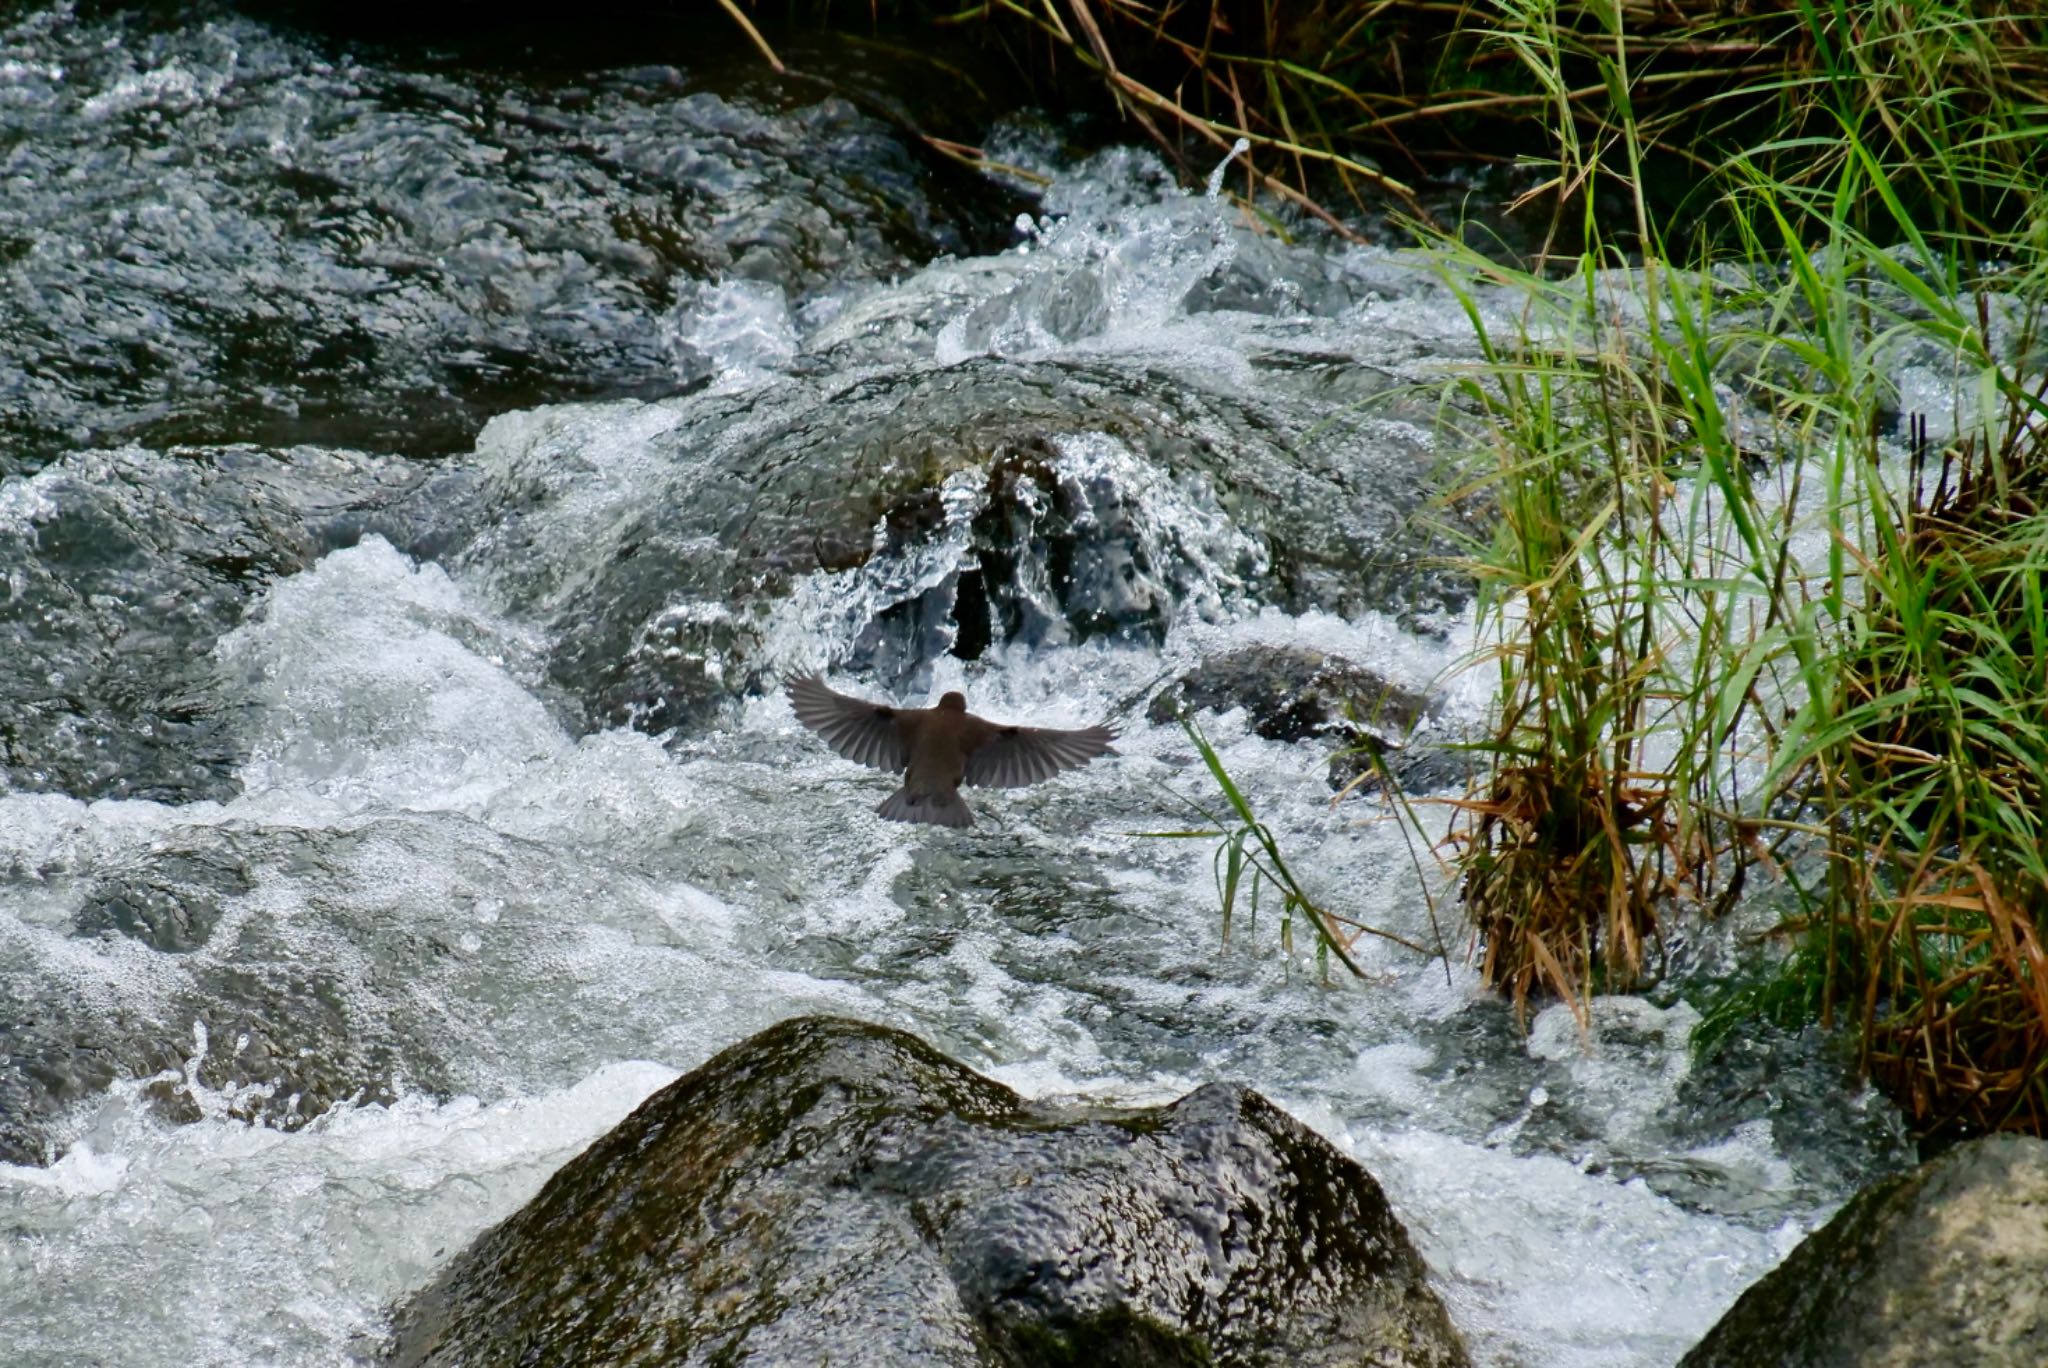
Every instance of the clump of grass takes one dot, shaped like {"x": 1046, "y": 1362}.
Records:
{"x": 1560, "y": 854}
{"x": 1915, "y": 739}
{"x": 1888, "y": 701}
{"x": 1609, "y": 616}
{"x": 1930, "y": 755}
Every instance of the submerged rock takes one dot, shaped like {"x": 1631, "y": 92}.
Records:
{"x": 266, "y": 1018}
{"x": 835, "y": 1191}
{"x": 1293, "y": 693}
{"x": 1944, "y": 1265}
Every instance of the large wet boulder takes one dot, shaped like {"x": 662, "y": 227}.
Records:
{"x": 835, "y": 1191}
{"x": 680, "y": 554}
{"x": 1947, "y": 1264}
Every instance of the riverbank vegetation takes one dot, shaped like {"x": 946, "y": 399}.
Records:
{"x": 1762, "y": 409}
{"x": 1767, "y": 582}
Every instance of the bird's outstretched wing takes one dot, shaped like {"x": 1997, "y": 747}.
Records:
{"x": 857, "y": 729}
{"x": 1011, "y": 757}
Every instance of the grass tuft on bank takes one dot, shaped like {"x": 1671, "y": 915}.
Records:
{"x": 1744, "y": 598}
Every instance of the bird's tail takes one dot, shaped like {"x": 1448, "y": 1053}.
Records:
{"x": 945, "y": 808}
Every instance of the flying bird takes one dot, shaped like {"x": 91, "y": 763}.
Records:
{"x": 936, "y": 750}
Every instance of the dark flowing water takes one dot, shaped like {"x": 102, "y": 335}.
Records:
{"x": 392, "y": 798}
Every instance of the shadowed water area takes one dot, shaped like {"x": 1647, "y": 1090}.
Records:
{"x": 420, "y": 473}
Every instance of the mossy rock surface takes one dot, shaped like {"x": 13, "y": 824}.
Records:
{"x": 1944, "y": 1265}
{"x": 832, "y": 1191}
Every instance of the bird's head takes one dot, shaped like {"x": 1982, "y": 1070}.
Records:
{"x": 955, "y": 701}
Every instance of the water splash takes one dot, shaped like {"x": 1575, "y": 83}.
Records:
{"x": 1100, "y": 277}
{"x": 738, "y": 333}
{"x": 1214, "y": 188}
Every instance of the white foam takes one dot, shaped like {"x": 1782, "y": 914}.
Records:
{"x": 1544, "y": 1266}
{"x": 331, "y": 1222}
{"x": 741, "y": 328}
{"x": 1112, "y": 276}
{"x": 372, "y": 683}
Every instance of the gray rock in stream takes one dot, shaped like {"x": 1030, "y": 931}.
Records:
{"x": 1944, "y": 1265}
{"x": 382, "y": 244}
{"x": 831, "y": 1191}
{"x": 118, "y": 572}
{"x": 677, "y": 551}
{"x": 1295, "y": 693}
{"x": 279, "y": 1018}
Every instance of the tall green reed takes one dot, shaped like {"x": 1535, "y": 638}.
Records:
{"x": 1729, "y": 602}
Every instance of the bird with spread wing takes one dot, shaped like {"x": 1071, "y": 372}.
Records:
{"x": 936, "y": 750}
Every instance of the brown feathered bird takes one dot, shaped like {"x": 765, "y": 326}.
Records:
{"x": 936, "y": 750}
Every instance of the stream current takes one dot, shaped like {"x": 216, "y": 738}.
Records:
{"x": 378, "y": 826}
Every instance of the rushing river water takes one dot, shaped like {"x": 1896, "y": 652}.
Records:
{"x": 393, "y": 799}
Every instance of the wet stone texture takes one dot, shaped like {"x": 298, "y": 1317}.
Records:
{"x": 277, "y": 1018}
{"x": 49, "y": 1062}
{"x": 218, "y": 230}
{"x": 171, "y": 903}
{"x": 835, "y": 1191}
{"x": 929, "y": 512}
{"x": 1944, "y": 1265}
{"x": 1294, "y": 693}
{"x": 119, "y": 570}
